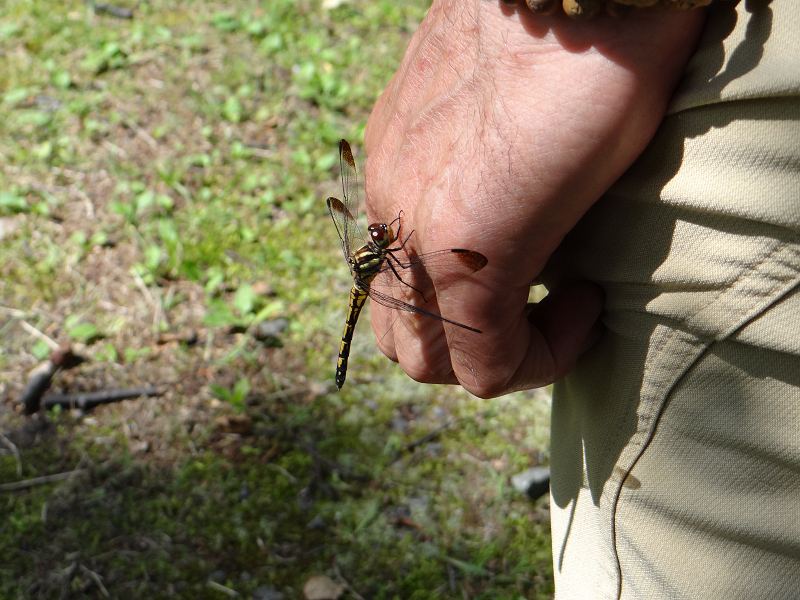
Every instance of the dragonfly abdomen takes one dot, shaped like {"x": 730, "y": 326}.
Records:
{"x": 357, "y": 298}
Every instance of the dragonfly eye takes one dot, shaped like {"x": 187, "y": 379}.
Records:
{"x": 380, "y": 234}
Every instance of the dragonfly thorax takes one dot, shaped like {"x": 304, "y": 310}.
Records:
{"x": 381, "y": 235}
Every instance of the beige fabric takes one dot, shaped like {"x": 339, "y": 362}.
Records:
{"x": 676, "y": 441}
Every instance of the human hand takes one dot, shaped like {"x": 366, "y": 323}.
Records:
{"x": 496, "y": 134}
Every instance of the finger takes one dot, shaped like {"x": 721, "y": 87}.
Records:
{"x": 416, "y": 341}
{"x": 426, "y": 348}
{"x": 522, "y": 348}
{"x": 382, "y": 321}
{"x": 423, "y": 349}
{"x": 563, "y": 326}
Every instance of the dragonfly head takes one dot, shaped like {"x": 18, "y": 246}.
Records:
{"x": 381, "y": 235}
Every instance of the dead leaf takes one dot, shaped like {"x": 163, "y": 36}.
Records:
{"x": 9, "y": 226}
{"x": 241, "y": 424}
{"x": 404, "y": 521}
{"x": 139, "y": 446}
{"x": 319, "y": 587}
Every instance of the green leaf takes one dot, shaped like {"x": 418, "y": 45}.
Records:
{"x": 40, "y": 350}
{"x": 215, "y": 279}
{"x": 290, "y": 258}
{"x": 168, "y": 231}
{"x": 326, "y": 161}
{"x": 164, "y": 201}
{"x": 152, "y": 257}
{"x": 83, "y": 331}
{"x": 108, "y": 353}
{"x": 78, "y": 238}
{"x": 9, "y": 28}
{"x": 220, "y": 392}
{"x": 220, "y": 314}
{"x": 240, "y": 391}
{"x": 13, "y": 202}
{"x": 144, "y": 200}
{"x": 467, "y": 567}
{"x": 272, "y": 42}
{"x": 244, "y": 299}
{"x": 232, "y": 109}
{"x": 192, "y": 270}
{"x": 268, "y": 311}
{"x": 61, "y": 79}
{"x": 99, "y": 238}
{"x": 225, "y": 21}
{"x": 370, "y": 513}
{"x": 16, "y": 95}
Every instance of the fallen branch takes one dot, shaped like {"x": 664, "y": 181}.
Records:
{"x": 21, "y": 485}
{"x": 39, "y": 379}
{"x": 90, "y": 400}
{"x": 97, "y": 580}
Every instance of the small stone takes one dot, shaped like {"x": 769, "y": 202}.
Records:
{"x": 266, "y": 592}
{"x": 397, "y": 512}
{"x": 139, "y": 446}
{"x": 319, "y": 587}
{"x": 316, "y": 523}
{"x": 218, "y": 575}
{"x": 535, "y": 482}
{"x": 305, "y": 501}
{"x": 399, "y": 423}
{"x": 433, "y": 449}
{"x": 9, "y": 226}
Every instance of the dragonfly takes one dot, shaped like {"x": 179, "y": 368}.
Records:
{"x": 375, "y": 266}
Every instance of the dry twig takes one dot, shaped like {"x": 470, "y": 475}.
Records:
{"x": 349, "y": 587}
{"x": 13, "y": 312}
{"x": 97, "y": 579}
{"x": 14, "y": 450}
{"x": 21, "y": 485}
{"x": 92, "y": 399}
{"x": 38, "y": 334}
{"x": 222, "y": 588}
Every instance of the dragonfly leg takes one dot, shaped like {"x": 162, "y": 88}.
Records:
{"x": 389, "y": 258}
{"x": 399, "y": 229}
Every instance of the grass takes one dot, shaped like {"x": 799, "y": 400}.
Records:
{"x": 166, "y": 175}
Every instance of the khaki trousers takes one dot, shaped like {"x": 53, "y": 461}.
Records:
{"x": 676, "y": 440}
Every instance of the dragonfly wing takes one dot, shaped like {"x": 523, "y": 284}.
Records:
{"x": 392, "y": 302}
{"x": 353, "y": 239}
{"x": 441, "y": 266}
{"x": 340, "y": 215}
